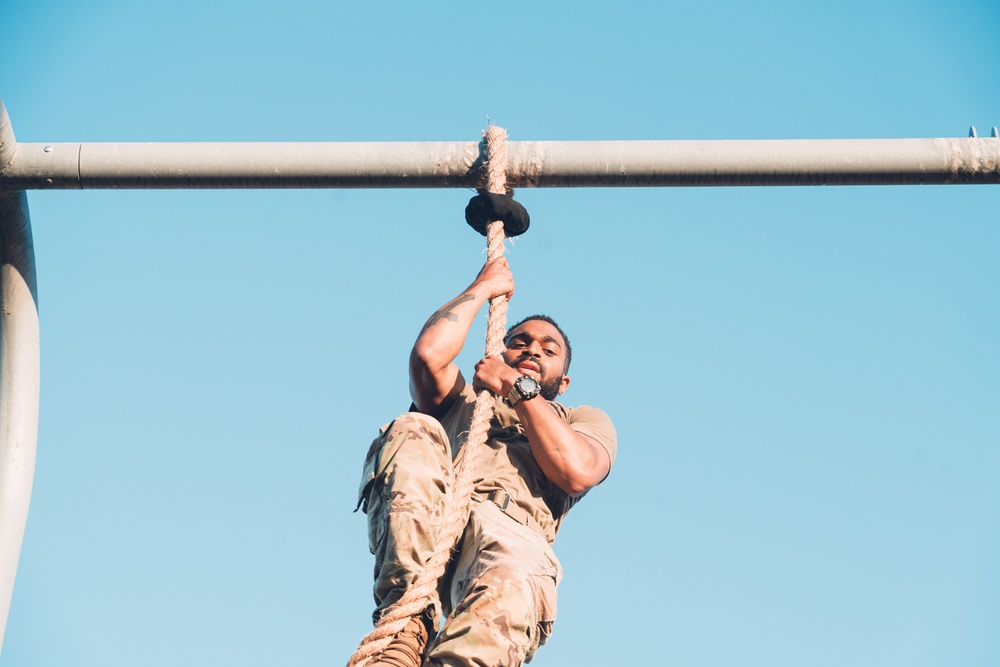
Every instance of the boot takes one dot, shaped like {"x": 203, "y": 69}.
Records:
{"x": 407, "y": 648}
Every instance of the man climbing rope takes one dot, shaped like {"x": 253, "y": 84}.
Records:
{"x": 498, "y": 595}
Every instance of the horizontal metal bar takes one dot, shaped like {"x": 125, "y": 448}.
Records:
{"x": 531, "y": 164}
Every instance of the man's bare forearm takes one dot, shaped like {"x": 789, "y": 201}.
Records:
{"x": 572, "y": 461}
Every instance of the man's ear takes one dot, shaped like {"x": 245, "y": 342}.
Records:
{"x": 564, "y": 384}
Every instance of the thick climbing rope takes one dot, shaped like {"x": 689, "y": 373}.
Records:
{"x": 415, "y": 600}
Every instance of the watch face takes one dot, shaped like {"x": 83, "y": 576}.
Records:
{"x": 528, "y": 385}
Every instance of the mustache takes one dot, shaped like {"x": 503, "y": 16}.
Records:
{"x": 525, "y": 356}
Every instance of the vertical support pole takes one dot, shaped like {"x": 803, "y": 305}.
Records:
{"x": 19, "y": 373}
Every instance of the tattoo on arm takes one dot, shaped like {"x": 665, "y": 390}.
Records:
{"x": 446, "y": 312}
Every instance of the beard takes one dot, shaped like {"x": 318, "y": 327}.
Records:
{"x": 549, "y": 387}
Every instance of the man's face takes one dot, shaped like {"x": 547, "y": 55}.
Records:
{"x": 537, "y": 349}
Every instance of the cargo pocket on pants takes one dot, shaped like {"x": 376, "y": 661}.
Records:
{"x": 544, "y": 588}
{"x": 369, "y": 474}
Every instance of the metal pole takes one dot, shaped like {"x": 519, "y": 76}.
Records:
{"x": 19, "y": 372}
{"x": 40, "y": 166}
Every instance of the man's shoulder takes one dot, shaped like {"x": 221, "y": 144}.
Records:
{"x": 579, "y": 410}
{"x": 593, "y": 422}
{"x": 585, "y": 414}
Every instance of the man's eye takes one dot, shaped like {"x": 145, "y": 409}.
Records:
{"x": 550, "y": 352}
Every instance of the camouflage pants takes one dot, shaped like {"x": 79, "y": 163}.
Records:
{"x": 498, "y": 595}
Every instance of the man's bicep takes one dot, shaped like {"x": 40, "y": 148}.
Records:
{"x": 602, "y": 458}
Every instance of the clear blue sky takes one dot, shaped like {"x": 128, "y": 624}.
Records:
{"x": 805, "y": 381}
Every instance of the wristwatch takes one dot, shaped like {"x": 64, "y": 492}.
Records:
{"x": 525, "y": 387}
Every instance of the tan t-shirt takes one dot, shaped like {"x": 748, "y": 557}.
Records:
{"x": 507, "y": 463}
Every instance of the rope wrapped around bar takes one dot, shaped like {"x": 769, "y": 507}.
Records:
{"x": 414, "y": 601}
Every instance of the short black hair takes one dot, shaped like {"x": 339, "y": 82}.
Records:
{"x": 545, "y": 318}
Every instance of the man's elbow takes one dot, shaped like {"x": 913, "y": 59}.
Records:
{"x": 580, "y": 481}
{"x": 575, "y": 488}
{"x": 426, "y": 358}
